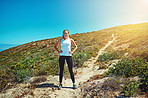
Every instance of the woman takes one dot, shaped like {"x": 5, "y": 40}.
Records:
{"x": 66, "y": 53}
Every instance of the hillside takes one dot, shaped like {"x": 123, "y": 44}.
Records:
{"x": 131, "y": 39}
{"x": 129, "y": 76}
{"x": 40, "y": 57}
{"x": 130, "y": 48}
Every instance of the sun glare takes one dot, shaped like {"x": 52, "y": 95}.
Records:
{"x": 146, "y": 1}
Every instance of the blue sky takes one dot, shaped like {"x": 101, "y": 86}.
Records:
{"x": 23, "y": 21}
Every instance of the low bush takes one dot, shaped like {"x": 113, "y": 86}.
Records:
{"x": 80, "y": 58}
{"x": 3, "y": 79}
{"x": 50, "y": 67}
{"x": 131, "y": 67}
{"x": 144, "y": 79}
{"x": 109, "y": 56}
{"x": 130, "y": 88}
{"x": 127, "y": 68}
{"x": 22, "y": 75}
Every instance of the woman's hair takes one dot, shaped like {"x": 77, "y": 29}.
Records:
{"x": 64, "y": 31}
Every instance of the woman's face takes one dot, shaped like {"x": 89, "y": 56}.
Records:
{"x": 65, "y": 34}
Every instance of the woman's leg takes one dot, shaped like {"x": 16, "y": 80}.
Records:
{"x": 61, "y": 63}
{"x": 70, "y": 65}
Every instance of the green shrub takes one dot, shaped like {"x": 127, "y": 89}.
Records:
{"x": 55, "y": 67}
{"x": 144, "y": 78}
{"x": 50, "y": 67}
{"x": 127, "y": 68}
{"x": 80, "y": 58}
{"x": 108, "y": 56}
{"x": 43, "y": 69}
{"x": 22, "y": 75}
{"x": 130, "y": 88}
{"x": 3, "y": 79}
{"x": 6, "y": 76}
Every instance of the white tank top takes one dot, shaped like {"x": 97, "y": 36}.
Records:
{"x": 65, "y": 47}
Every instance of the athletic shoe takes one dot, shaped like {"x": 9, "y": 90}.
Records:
{"x": 60, "y": 86}
{"x": 74, "y": 86}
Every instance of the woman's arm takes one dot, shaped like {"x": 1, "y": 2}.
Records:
{"x": 73, "y": 42}
{"x": 58, "y": 42}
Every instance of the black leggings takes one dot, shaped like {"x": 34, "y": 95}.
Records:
{"x": 70, "y": 65}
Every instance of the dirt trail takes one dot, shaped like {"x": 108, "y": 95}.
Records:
{"x": 83, "y": 75}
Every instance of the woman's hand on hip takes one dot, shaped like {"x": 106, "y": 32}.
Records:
{"x": 70, "y": 52}
{"x": 60, "y": 51}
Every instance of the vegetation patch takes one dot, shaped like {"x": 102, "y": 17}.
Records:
{"x": 130, "y": 68}
{"x": 110, "y": 56}
{"x": 80, "y": 58}
{"x": 127, "y": 67}
{"x": 130, "y": 88}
